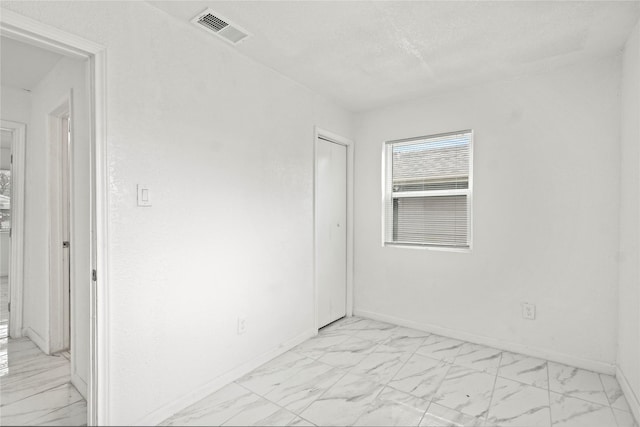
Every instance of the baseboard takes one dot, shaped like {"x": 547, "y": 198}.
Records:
{"x": 591, "y": 365}
{"x": 79, "y": 384}
{"x": 175, "y": 406}
{"x": 17, "y": 334}
{"x": 632, "y": 398}
{"x": 35, "y": 338}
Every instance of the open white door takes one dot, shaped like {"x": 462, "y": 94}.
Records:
{"x": 331, "y": 231}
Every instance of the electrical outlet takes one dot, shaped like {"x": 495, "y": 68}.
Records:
{"x": 242, "y": 324}
{"x": 528, "y": 311}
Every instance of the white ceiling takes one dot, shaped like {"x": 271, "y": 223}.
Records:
{"x": 365, "y": 54}
{"x": 22, "y": 66}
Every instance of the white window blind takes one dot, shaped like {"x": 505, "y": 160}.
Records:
{"x": 428, "y": 191}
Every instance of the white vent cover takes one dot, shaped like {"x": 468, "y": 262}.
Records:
{"x": 216, "y": 24}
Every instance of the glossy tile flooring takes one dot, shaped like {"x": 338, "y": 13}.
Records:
{"x": 35, "y": 389}
{"x": 363, "y": 372}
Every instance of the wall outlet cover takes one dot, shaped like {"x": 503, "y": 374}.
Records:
{"x": 242, "y": 325}
{"x": 528, "y": 311}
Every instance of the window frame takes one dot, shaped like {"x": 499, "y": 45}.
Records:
{"x": 388, "y": 194}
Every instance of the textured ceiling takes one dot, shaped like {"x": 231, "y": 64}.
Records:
{"x": 22, "y": 66}
{"x": 367, "y": 54}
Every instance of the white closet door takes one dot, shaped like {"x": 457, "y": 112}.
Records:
{"x": 331, "y": 243}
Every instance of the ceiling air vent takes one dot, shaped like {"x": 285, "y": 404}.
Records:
{"x": 214, "y": 23}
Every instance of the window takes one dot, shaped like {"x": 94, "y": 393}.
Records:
{"x": 5, "y": 200}
{"x": 427, "y": 191}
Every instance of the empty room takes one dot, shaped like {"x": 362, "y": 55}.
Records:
{"x": 373, "y": 213}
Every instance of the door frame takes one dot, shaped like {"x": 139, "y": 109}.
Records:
{"x": 60, "y": 314}
{"x": 16, "y": 268}
{"x": 27, "y": 30}
{"x": 336, "y": 139}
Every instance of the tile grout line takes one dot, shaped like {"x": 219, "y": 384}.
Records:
{"x": 386, "y": 384}
{"x": 424, "y": 414}
{"x": 295, "y": 414}
{"x": 493, "y": 391}
{"x": 608, "y": 400}
{"x": 549, "y": 392}
{"x": 413, "y": 353}
{"x": 346, "y": 372}
{"x": 383, "y": 384}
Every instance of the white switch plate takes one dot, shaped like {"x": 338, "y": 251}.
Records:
{"x": 528, "y": 311}
{"x": 144, "y": 195}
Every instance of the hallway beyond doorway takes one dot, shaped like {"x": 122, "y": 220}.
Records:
{"x": 35, "y": 389}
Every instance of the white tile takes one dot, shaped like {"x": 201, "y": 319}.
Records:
{"x": 297, "y": 392}
{"x": 339, "y": 377}
{"x": 466, "y": 390}
{"x": 344, "y": 403}
{"x": 74, "y": 414}
{"x": 440, "y": 416}
{"x": 347, "y": 325}
{"x": 406, "y": 339}
{"x": 301, "y": 422}
{"x": 216, "y": 408}
{"x": 440, "y": 348}
{"x": 317, "y": 346}
{"x": 36, "y": 388}
{"x": 265, "y": 378}
{"x": 409, "y": 344}
{"x": 577, "y": 383}
{"x": 572, "y": 412}
{"x": 393, "y": 408}
{"x": 524, "y": 369}
{"x": 420, "y": 376}
{"x": 348, "y": 353}
{"x": 614, "y": 393}
{"x": 479, "y": 357}
{"x": 382, "y": 364}
{"x": 261, "y": 412}
{"x": 17, "y": 387}
{"x": 376, "y": 331}
{"x": 516, "y": 404}
{"x": 54, "y": 404}
{"x": 624, "y": 418}
{"x": 402, "y": 332}
{"x": 31, "y": 361}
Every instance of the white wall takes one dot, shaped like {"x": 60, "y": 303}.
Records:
{"x": 545, "y": 217}
{"x": 226, "y": 147}
{"x": 5, "y": 158}
{"x": 629, "y": 293}
{"x": 16, "y": 104}
{"x": 46, "y": 96}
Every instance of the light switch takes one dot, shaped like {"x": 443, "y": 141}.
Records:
{"x": 144, "y": 196}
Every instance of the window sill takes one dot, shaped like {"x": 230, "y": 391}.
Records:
{"x": 426, "y": 247}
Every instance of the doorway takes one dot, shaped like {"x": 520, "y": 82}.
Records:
{"x": 6, "y": 144}
{"x": 87, "y": 183}
{"x": 11, "y": 225}
{"x": 333, "y": 227}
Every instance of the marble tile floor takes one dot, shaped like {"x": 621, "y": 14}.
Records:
{"x": 362, "y": 372}
{"x": 35, "y": 389}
